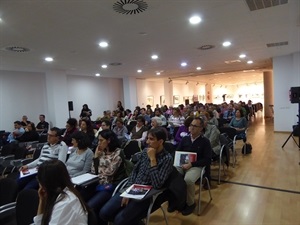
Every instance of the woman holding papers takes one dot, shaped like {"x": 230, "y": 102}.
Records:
{"x": 81, "y": 158}
{"x": 59, "y": 202}
{"x": 109, "y": 166}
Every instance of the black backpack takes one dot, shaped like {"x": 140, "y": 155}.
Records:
{"x": 247, "y": 149}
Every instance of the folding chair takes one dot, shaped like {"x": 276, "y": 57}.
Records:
{"x": 26, "y": 206}
{"x": 202, "y": 176}
{"x": 8, "y": 194}
{"x": 131, "y": 147}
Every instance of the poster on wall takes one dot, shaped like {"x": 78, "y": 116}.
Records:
{"x": 162, "y": 100}
{"x": 176, "y": 99}
{"x": 150, "y": 101}
{"x": 195, "y": 98}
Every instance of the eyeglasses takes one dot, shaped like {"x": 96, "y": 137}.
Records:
{"x": 195, "y": 126}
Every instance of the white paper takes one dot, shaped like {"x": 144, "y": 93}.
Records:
{"x": 28, "y": 172}
{"x": 83, "y": 178}
{"x": 136, "y": 191}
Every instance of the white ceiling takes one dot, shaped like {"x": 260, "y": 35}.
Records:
{"x": 70, "y": 30}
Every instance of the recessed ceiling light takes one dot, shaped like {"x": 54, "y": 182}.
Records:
{"x": 198, "y": 68}
{"x": 48, "y": 59}
{"x": 104, "y": 66}
{"x": 226, "y": 43}
{"x": 250, "y": 62}
{"x": 195, "y": 20}
{"x": 139, "y": 71}
{"x": 183, "y": 64}
{"x": 154, "y": 56}
{"x": 103, "y": 44}
{"x": 97, "y": 74}
{"x": 242, "y": 56}
{"x": 157, "y": 73}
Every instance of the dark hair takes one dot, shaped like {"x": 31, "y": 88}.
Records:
{"x": 72, "y": 122}
{"x": 107, "y": 122}
{"x": 110, "y": 135}
{"x": 82, "y": 139}
{"x": 32, "y": 126}
{"x": 188, "y": 121}
{"x": 210, "y": 113}
{"x": 85, "y": 105}
{"x": 57, "y": 130}
{"x": 42, "y": 115}
{"x": 119, "y": 120}
{"x": 141, "y": 118}
{"x": 241, "y": 112}
{"x": 54, "y": 177}
{"x": 201, "y": 121}
{"x": 158, "y": 133}
{"x": 18, "y": 122}
{"x": 89, "y": 126}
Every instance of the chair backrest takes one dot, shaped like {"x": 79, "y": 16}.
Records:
{"x": 26, "y": 206}
{"x": 170, "y": 148}
{"x": 231, "y": 132}
{"x": 92, "y": 218}
{"x": 131, "y": 147}
{"x": 8, "y": 191}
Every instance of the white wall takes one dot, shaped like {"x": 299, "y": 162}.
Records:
{"x": 27, "y": 93}
{"x": 21, "y": 93}
{"x": 286, "y": 72}
{"x": 149, "y": 88}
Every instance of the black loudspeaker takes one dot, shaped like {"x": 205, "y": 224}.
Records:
{"x": 70, "y": 105}
{"x": 296, "y": 130}
{"x": 295, "y": 94}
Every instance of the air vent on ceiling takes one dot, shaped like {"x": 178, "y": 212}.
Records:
{"x": 206, "y": 47}
{"x": 130, "y": 7}
{"x": 16, "y": 49}
{"x": 262, "y": 4}
{"x": 277, "y": 44}
{"x": 115, "y": 64}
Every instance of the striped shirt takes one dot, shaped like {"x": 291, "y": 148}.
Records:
{"x": 56, "y": 151}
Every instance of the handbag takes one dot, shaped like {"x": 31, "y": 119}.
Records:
{"x": 247, "y": 149}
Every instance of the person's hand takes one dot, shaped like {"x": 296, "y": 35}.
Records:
{"x": 42, "y": 193}
{"x": 151, "y": 152}
{"x": 42, "y": 199}
{"x": 124, "y": 202}
{"x": 23, "y": 168}
{"x": 186, "y": 166}
{"x": 98, "y": 151}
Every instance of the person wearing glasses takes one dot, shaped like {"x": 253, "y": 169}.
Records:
{"x": 195, "y": 142}
{"x": 53, "y": 149}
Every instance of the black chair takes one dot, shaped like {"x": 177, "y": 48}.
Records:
{"x": 92, "y": 218}
{"x": 131, "y": 147}
{"x": 26, "y": 206}
{"x": 8, "y": 194}
{"x": 170, "y": 148}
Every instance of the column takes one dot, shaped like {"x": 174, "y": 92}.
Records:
{"x": 57, "y": 97}
{"x": 130, "y": 93}
{"x": 268, "y": 93}
{"x": 208, "y": 93}
{"x": 168, "y": 91}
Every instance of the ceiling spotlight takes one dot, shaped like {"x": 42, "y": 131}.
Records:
{"x": 139, "y": 71}
{"x": 250, "y": 62}
{"x": 103, "y": 44}
{"x": 154, "y": 56}
{"x": 48, "y": 59}
{"x": 242, "y": 56}
{"x": 183, "y": 64}
{"x": 226, "y": 43}
{"x": 104, "y": 66}
{"x": 197, "y": 83}
{"x": 198, "y": 68}
{"x": 195, "y": 20}
{"x": 157, "y": 73}
{"x": 97, "y": 74}
{"x": 186, "y": 82}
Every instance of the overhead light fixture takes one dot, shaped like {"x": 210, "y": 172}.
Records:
{"x": 197, "y": 83}
{"x": 139, "y": 71}
{"x": 157, "y": 73}
{"x": 97, "y": 74}
{"x": 104, "y": 66}
{"x": 195, "y": 20}
{"x": 186, "y": 82}
{"x": 49, "y": 59}
{"x": 154, "y": 56}
{"x": 198, "y": 68}
{"x": 170, "y": 80}
{"x": 103, "y": 44}
{"x": 226, "y": 43}
{"x": 242, "y": 56}
{"x": 183, "y": 64}
{"x": 250, "y": 62}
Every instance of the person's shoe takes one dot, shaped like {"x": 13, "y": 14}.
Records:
{"x": 188, "y": 209}
{"x": 171, "y": 209}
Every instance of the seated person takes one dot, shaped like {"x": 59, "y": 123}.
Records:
{"x": 239, "y": 122}
{"x": 211, "y": 119}
{"x": 139, "y": 132}
{"x": 30, "y": 134}
{"x": 87, "y": 128}
{"x": 81, "y": 157}
{"x": 176, "y": 119}
{"x": 157, "y": 122}
{"x": 42, "y": 126}
{"x": 146, "y": 116}
{"x": 183, "y": 130}
{"x": 24, "y": 121}
{"x": 212, "y": 133}
{"x": 120, "y": 130}
{"x": 108, "y": 165}
{"x": 158, "y": 113}
{"x": 59, "y": 202}
{"x": 153, "y": 168}
{"x": 195, "y": 142}
{"x": 16, "y": 133}
{"x": 54, "y": 149}
{"x": 71, "y": 127}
